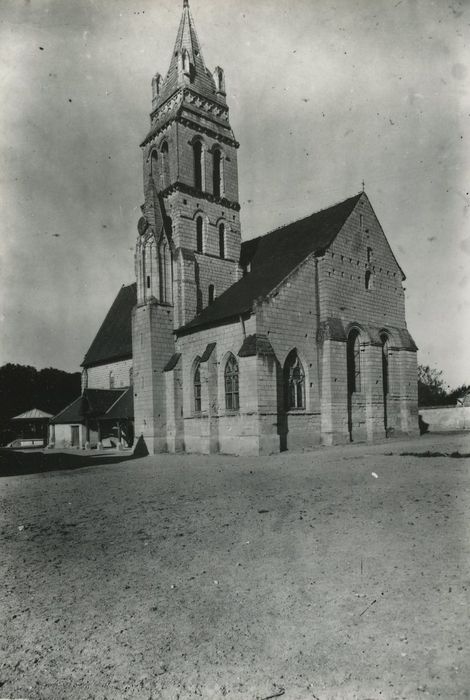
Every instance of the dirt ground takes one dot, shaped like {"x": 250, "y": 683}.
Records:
{"x": 338, "y": 573}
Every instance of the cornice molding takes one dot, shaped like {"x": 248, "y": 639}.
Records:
{"x": 177, "y": 101}
{"x": 202, "y": 129}
{"x": 193, "y": 192}
{"x": 192, "y": 96}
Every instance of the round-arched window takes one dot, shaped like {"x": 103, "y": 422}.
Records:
{"x": 197, "y": 152}
{"x": 217, "y": 172}
{"x": 211, "y": 294}
{"x": 199, "y": 236}
{"x": 222, "y": 241}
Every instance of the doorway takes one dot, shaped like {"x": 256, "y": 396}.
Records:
{"x": 75, "y": 442}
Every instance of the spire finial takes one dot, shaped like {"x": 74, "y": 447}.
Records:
{"x": 185, "y": 3}
{"x": 363, "y": 185}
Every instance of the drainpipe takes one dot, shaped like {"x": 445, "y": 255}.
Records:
{"x": 242, "y": 323}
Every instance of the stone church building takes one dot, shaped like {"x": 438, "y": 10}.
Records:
{"x": 292, "y": 339}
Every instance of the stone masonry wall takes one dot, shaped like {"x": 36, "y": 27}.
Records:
{"x": 99, "y": 376}
{"x": 343, "y": 268}
{"x": 180, "y": 160}
{"x": 237, "y": 431}
{"x": 183, "y": 210}
{"x": 194, "y": 275}
{"x": 289, "y": 319}
{"x": 185, "y": 136}
{"x": 153, "y": 346}
{"x": 359, "y": 249}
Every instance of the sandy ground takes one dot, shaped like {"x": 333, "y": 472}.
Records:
{"x": 337, "y": 573}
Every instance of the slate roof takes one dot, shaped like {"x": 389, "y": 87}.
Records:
{"x": 172, "y": 362}
{"x": 93, "y": 403}
{"x": 257, "y": 344}
{"x": 123, "y": 407}
{"x": 338, "y": 329}
{"x": 114, "y": 339}
{"x": 210, "y": 347}
{"x": 73, "y": 413}
{"x": 272, "y": 257}
{"x": 100, "y": 400}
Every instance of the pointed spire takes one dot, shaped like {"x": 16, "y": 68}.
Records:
{"x": 187, "y": 63}
{"x": 187, "y": 39}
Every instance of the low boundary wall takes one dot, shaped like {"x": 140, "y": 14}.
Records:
{"x": 438, "y": 418}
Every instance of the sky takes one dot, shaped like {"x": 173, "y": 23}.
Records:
{"x": 323, "y": 94}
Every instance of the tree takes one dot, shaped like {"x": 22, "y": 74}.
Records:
{"x": 431, "y": 391}
{"x": 23, "y": 387}
{"x": 458, "y": 393}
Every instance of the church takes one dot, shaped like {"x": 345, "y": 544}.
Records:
{"x": 286, "y": 341}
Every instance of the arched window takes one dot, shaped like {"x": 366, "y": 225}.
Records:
{"x": 197, "y": 388}
{"x": 294, "y": 380}
{"x": 199, "y": 236}
{"x": 232, "y": 394}
{"x": 353, "y": 351}
{"x": 216, "y": 172}
{"x": 211, "y": 294}
{"x": 165, "y": 270}
{"x": 111, "y": 379}
{"x": 165, "y": 166}
{"x": 368, "y": 280}
{"x": 154, "y": 166}
{"x": 197, "y": 151}
{"x": 222, "y": 241}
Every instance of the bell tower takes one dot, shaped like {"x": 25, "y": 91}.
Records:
{"x": 189, "y": 241}
{"x": 190, "y": 162}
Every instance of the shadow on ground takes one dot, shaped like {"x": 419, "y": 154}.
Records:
{"x": 455, "y": 455}
{"x": 17, "y": 462}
